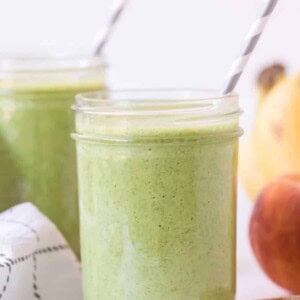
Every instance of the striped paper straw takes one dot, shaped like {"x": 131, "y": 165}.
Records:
{"x": 104, "y": 35}
{"x": 252, "y": 38}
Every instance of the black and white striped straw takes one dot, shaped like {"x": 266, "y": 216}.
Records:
{"x": 103, "y": 37}
{"x": 252, "y": 38}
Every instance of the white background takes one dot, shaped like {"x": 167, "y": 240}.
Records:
{"x": 165, "y": 43}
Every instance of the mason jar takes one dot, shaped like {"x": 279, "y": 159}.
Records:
{"x": 157, "y": 176}
{"x": 37, "y": 155}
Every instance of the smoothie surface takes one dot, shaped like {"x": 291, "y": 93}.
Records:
{"x": 37, "y": 154}
{"x": 157, "y": 215}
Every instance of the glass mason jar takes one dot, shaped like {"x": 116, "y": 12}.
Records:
{"x": 157, "y": 193}
{"x": 37, "y": 155}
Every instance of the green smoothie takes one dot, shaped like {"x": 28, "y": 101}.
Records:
{"x": 157, "y": 205}
{"x": 37, "y": 156}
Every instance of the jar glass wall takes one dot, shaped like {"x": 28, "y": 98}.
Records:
{"x": 37, "y": 156}
{"x": 157, "y": 181}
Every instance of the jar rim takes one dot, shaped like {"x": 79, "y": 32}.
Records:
{"x": 163, "y": 101}
{"x": 21, "y": 65}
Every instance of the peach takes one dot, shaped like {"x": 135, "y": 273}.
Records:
{"x": 275, "y": 231}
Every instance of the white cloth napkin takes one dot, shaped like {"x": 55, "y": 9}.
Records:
{"x": 35, "y": 260}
